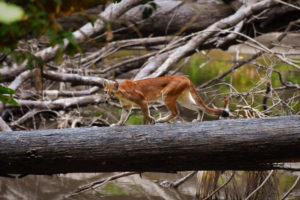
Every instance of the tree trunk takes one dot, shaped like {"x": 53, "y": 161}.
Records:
{"x": 241, "y": 144}
{"x": 173, "y": 17}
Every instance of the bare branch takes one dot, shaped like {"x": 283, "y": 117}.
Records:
{"x": 234, "y": 67}
{"x": 28, "y": 115}
{"x": 247, "y": 60}
{"x": 183, "y": 179}
{"x": 126, "y": 66}
{"x": 200, "y": 38}
{"x": 152, "y": 64}
{"x": 99, "y": 183}
{"x": 288, "y": 4}
{"x": 67, "y": 93}
{"x": 291, "y": 189}
{"x": 219, "y": 188}
{"x": 260, "y": 186}
{"x": 74, "y": 78}
{"x": 19, "y": 80}
{"x": 9, "y": 73}
{"x": 117, "y": 45}
{"x": 112, "y": 12}
{"x": 61, "y": 103}
{"x": 4, "y": 126}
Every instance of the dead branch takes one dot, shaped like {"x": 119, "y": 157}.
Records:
{"x": 253, "y": 57}
{"x": 4, "y": 126}
{"x": 219, "y": 188}
{"x": 183, "y": 179}
{"x": 60, "y": 103}
{"x": 28, "y": 115}
{"x": 232, "y": 35}
{"x": 98, "y": 183}
{"x": 53, "y": 94}
{"x": 200, "y": 38}
{"x": 8, "y": 73}
{"x": 291, "y": 189}
{"x": 20, "y": 79}
{"x": 260, "y": 186}
{"x": 126, "y": 66}
{"x": 178, "y": 146}
{"x": 112, "y": 12}
{"x": 75, "y": 79}
{"x": 117, "y": 45}
{"x": 151, "y": 65}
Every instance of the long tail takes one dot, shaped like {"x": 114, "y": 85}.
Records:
{"x": 201, "y": 103}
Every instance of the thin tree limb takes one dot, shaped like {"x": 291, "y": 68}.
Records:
{"x": 98, "y": 183}
{"x": 75, "y": 79}
{"x": 199, "y": 39}
{"x": 219, "y": 188}
{"x": 8, "y": 73}
{"x": 28, "y": 115}
{"x": 4, "y": 126}
{"x": 183, "y": 179}
{"x": 291, "y": 189}
{"x": 112, "y": 12}
{"x": 116, "y": 45}
{"x": 19, "y": 80}
{"x": 68, "y": 93}
{"x": 60, "y": 103}
{"x": 253, "y": 57}
{"x": 260, "y": 186}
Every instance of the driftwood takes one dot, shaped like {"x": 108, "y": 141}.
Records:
{"x": 240, "y": 144}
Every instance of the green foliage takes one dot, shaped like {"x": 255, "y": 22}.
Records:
{"x": 6, "y": 96}
{"x": 135, "y": 118}
{"x": 33, "y": 59}
{"x": 10, "y": 13}
{"x": 38, "y": 20}
{"x": 34, "y": 25}
{"x": 58, "y": 37}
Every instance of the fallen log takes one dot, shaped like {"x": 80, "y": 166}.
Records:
{"x": 240, "y": 144}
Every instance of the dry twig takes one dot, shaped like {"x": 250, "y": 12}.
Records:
{"x": 291, "y": 189}
{"x": 219, "y": 188}
{"x": 260, "y": 186}
{"x": 99, "y": 183}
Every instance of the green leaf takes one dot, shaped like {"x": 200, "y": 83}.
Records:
{"x": 5, "y": 90}
{"x": 10, "y": 13}
{"x": 34, "y": 60}
{"x": 6, "y": 50}
{"x": 8, "y": 100}
{"x": 30, "y": 63}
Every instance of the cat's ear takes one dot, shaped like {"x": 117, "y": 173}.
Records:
{"x": 116, "y": 86}
{"x": 105, "y": 83}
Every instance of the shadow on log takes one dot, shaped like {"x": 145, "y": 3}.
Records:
{"x": 241, "y": 144}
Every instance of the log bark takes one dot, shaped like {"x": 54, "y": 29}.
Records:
{"x": 240, "y": 144}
